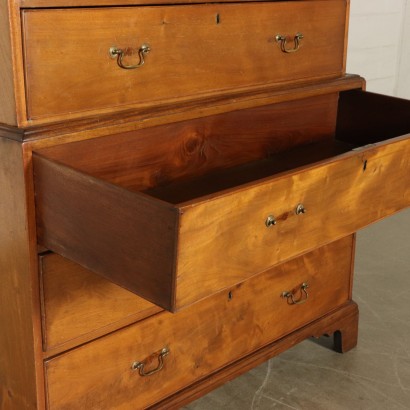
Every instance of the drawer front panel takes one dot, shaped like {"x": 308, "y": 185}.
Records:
{"x": 338, "y": 197}
{"x": 195, "y": 51}
{"x": 201, "y": 339}
{"x": 78, "y": 303}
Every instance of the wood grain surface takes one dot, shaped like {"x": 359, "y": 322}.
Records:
{"x": 127, "y": 237}
{"x": 197, "y": 51}
{"x": 180, "y": 151}
{"x": 7, "y": 98}
{"x": 346, "y": 318}
{"x": 43, "y": 133}
{"x": 202, "y": 339}
{"x": 96, "y": 3}
{"x": 79, "y": 305}
{"x": 19, "y": 341}
{"x": 341, "y": 195}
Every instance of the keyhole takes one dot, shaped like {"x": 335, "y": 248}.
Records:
{"x": 364, "y": 165}
{"x": 230, "y": 295}
{"x": 218, "y": 18}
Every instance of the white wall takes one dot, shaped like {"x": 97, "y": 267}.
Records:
{"x": 403, "y": 83}
{"x": 379, "y": 45}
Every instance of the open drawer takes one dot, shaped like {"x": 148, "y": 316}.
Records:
{"x": 177, "y": 242}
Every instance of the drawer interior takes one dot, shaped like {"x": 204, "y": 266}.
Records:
{"x": 164, "y": 156}
{"x": 183, "y": 162}
{"x": 363, "y": 118}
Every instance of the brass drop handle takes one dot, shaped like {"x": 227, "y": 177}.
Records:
{"x": 119, "y": 53}
{"x": 290, "y": 295}
{"x": 283, "y": 40}
{"x": 140, "y": 366}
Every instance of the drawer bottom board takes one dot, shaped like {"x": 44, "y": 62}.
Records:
{"x": 202, "y": 339}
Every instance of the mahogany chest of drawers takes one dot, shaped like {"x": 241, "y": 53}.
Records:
{"x": 180, "y": 189}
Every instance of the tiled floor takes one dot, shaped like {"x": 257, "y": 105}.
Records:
{"x": 373, "y": 376}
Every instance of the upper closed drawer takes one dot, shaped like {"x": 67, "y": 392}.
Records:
{"x": 216, "y": 189}
{"x": 73, "y": 57}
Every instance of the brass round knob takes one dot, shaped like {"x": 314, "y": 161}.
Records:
{"x": 270, "y": 221}
{"x": 300, "y": 209}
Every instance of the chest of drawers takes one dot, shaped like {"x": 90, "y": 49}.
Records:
{"x": 181, "y": 186}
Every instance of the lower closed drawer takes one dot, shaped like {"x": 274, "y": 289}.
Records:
{"x": 199, "y": 340}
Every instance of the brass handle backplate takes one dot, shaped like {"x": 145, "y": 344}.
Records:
{"x": 140, "y": 366}
{"x": 290, "y": 295}
{"x": 119, "y": 53}
{"x": 283, "y": 41}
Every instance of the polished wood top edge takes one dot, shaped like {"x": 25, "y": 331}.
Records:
{"x": 89, "y": 337}
{"x": 41, "y": 156}
{"x": 27, "y": 4}
{"x": 228, "y": 96}
{"x": 75, "y": 130}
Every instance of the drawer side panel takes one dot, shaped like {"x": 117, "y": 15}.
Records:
{"x": 77, "y": 218}
{"x": 365, "y": 117}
